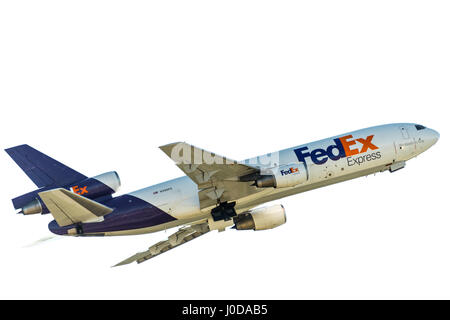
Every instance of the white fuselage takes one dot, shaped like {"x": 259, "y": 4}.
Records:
{"x": 327, "y": 161}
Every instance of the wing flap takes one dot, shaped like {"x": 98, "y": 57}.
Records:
{"x": 68, "y": 208}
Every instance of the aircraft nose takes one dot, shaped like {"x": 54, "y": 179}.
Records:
{"x": 430, "y": 137}
{"x": 434, "y": 136}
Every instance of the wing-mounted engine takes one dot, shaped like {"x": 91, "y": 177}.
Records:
{"x": 261, "y": 218}
{"x": 285, "y": 176}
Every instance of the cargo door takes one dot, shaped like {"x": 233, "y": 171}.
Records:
{"x": 406, "y": 146}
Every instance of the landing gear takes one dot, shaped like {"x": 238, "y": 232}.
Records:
{"x": 224, "y": 211}
{"x": 397, "y": 166}
{"x": 79, "y": 229}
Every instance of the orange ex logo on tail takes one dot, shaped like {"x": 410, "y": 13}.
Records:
{"x": 79, "y": 190}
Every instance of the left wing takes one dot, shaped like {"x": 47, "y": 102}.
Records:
{"x": 218, "y": 178}
{"x": 180, "y": 237}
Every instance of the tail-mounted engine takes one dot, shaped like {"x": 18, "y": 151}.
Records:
{"x": 100, "y": 188}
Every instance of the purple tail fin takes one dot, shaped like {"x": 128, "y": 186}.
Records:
{"x": 41, "y": 169}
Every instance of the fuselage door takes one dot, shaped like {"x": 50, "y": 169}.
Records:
{"x": 404, "y": 132}
{"x": 406, "y": 145}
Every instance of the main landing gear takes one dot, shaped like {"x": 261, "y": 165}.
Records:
{"x": 224, "y": 211}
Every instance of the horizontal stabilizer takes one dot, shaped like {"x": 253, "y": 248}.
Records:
{"x": 68, "y": 208}
{"x": 41, "y": 169}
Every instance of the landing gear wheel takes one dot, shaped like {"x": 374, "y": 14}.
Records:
{"x": 79, "y": 228}
{"x": 224, "y": 211}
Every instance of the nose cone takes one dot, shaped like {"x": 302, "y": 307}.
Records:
{"x": 427, "y": 138}
{"x": 433, "y": 136}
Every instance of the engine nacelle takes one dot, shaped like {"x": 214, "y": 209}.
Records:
{"x": 261, "y": 218}
{"x": 104, "y": 184}
{"x": 33, "y": 207}
{"x": 95, "y": 188}
{"x": 283, "y": 176}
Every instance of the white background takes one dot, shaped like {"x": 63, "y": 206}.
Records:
{"x": 99, "y": 85}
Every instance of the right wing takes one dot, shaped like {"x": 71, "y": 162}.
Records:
{"x": 180, "y": 237}
{"x": 68, "y": 208}
{"x": 218, "y": 178}
{"x": 204, "y": 167}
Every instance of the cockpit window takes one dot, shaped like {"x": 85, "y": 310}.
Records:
{"x": 419, "y": 127}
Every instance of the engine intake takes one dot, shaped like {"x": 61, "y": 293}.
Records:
{"x": 261, "y": 218}
{"x": 110, "y": 181}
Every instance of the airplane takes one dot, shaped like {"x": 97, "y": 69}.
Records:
{"x": 216, "y": 192}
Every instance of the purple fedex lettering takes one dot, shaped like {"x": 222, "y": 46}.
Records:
{"x": 320, "y": 156}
